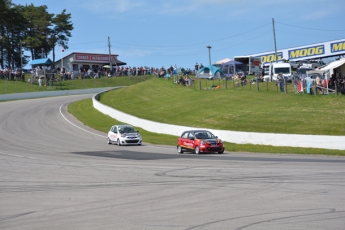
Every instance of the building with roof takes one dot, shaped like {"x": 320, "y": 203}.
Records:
{"x": 41, "y": 62}
{"x": 74, "y": 61}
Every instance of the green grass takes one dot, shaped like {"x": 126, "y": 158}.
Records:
{"x": 237, "y": 109}
{"x": 93, "y": 118}
{"x": 13, "y": 86}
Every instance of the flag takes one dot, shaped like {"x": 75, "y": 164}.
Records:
{"x": 62, "y": 48}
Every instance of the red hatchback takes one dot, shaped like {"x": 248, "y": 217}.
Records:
{"x": 199, "y": 141}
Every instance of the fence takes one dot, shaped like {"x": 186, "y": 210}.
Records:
{"x": 53, "y": 82}
{"x": 285, "y": 86}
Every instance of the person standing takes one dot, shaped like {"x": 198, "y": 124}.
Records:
{"x": 63, "y": 73}
{"x": 280, "y": 82}
{"x": 196, "y": 68}
{"x": 263, "y": 72}
{"x": 171, "y": 69}
{"x": 81, "y": 71}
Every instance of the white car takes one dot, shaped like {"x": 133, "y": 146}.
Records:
{"x": 124, "y": 135}
{"x": 294, "y": 64}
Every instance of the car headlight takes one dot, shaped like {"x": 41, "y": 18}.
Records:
{"x": 220, "y": 141}
{"x": 203, "y": 142}
{"x": 123, "y": 135}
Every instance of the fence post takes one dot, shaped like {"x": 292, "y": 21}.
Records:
{"x": 257, "y": 84}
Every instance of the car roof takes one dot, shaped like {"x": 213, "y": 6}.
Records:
{"x": 197, "y": 130}
{"x": 123, "y": 125}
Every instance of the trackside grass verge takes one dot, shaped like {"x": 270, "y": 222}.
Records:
{"x": 238, "y": 109}
{"x": 17, "y": 86}
{"x": 101, "y": 122}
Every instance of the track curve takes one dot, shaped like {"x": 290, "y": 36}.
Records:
{"x": 57, "y": 173}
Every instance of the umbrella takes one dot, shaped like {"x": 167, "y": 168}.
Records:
{"x": 106, "y": 66}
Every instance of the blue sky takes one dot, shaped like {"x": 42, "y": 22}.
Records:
{"x": 158, "y": 33}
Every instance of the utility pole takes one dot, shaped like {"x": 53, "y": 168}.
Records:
{"x": 275, "y": 45}
{"x": 209, "y": 53}
{"x": 110, "y": 62}
{"x": 275, "y": 50}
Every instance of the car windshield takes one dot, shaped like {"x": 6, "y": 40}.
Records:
{"x": 126, "y": 129}
{"x": 282, "y": 70}
{"x": 204, "y": 135}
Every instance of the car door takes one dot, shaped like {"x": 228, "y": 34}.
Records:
{"x": 191, "y": 140}
{"x": 184, "y": 142}
{"x": 113, "y": 133}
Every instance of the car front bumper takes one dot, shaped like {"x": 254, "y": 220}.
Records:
{"x": 130, "y": 141}
{"x": 211, "y": 148}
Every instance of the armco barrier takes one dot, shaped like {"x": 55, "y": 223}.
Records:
{"x": 294, "y": 140}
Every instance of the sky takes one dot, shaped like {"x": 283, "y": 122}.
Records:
{"x": 158, "y": 33}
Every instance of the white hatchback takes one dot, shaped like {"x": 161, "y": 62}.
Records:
{"x": 124, "y": 135}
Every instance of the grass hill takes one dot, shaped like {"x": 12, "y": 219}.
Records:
{"x": 238, "y": 109}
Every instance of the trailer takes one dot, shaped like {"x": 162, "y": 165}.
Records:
{"x": 251, "y": 63}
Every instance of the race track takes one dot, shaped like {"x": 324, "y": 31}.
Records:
{"x": 56, "y": 173}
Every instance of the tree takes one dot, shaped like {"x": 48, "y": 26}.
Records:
{"x": 5, "y": 7}
{"x": 12, "y": 25}
{"x": 33, "y": 28}
{"x": 37, "y": 31}
{"x": 61, "y": 30}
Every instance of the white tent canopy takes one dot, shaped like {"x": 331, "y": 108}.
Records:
{"x": 334, "y": 65}
{"x": 329, "y": 69}
{"x": 223, "y": 61}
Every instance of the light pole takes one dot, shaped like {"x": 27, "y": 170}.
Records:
{"x": 209, "y": 53}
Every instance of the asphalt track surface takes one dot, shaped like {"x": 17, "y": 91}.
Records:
{"x": 56, "y": 173}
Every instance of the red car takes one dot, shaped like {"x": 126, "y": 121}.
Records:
{"x": 199, "y": 141}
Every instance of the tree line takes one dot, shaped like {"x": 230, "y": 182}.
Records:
{"x": 31, "y": 28}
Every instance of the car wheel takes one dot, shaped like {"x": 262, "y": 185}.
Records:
{"x": 197, "y": 150}
{"x": 109, "y": 141}
{"x": 118, "y": 142}
{"x": 179, "y": 149}
{"x": 221, "y": 152}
